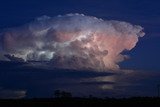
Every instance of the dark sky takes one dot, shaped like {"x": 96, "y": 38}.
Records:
{"x": 145, "y": 56}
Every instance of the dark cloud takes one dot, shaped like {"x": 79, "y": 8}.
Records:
{"x": 42, "y": 82}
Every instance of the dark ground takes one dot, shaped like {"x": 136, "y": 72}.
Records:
{"x": 81, "y": 102}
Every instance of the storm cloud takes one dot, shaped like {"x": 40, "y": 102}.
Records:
{"x": 73, "y": 41}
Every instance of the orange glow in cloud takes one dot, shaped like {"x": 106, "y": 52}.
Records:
{"x": 73, "y": 41}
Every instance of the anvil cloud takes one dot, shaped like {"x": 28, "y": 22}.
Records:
{"x": 73, "y": 41}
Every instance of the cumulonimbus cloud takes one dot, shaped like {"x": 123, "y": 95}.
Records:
{"x": 73, "y": 41}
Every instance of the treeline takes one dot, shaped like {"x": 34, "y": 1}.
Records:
{"x": 65, "y": 99}
{"x": 82, "y": 102}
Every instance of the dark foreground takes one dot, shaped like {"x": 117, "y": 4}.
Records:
{"x": 82, "y": 102}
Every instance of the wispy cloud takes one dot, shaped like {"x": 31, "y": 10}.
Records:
{"x": 12, "y": 94}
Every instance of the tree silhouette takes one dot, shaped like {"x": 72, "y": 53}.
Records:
{"x": 57, "y": 93}
{"x": 62, "y": 94}
{"x": 66, "y": 94}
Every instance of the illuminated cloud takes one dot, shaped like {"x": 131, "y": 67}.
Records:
{"x": 12, "y": 94}
{"x": 73, "y": 41}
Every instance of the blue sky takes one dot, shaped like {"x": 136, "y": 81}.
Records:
{"x": 144, "y": 57}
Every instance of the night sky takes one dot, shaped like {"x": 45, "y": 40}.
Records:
{"x": 19, "y": 81}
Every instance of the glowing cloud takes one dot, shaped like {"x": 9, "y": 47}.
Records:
{"x": 73, "y": 41}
